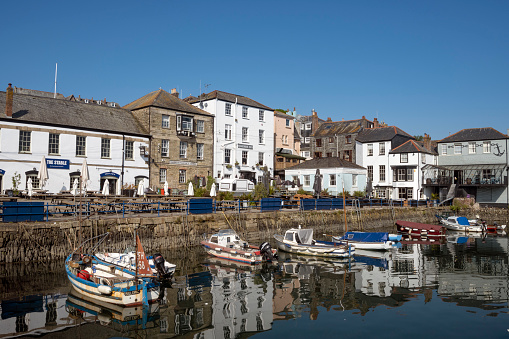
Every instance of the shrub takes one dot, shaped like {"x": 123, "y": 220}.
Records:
{"x": 260, "y": 191}
{"x": 222, "y": 195}
{"x": 359, "y": 194}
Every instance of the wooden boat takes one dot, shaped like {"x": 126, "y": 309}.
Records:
{"x": 455, "y": 223}
{"x": 366, "y": 240}
{"x": 110, "y": 283}
{"x": 300, "y": 241}
{"x": 226, "y": 244}
{"x": 160, "y": 267}
{"x": 416, "y": 229}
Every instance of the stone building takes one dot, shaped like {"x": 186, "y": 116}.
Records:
{"x": 181, "y": 147}
{"x": 337, "y": 139}
{"x": 307, "y": 125}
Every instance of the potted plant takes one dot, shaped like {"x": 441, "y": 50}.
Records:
{"x": 228, "y": 166}
{"x": 237, "y": 163}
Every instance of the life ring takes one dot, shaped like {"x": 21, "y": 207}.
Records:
{"x": 106, "y": 282}
{"x": 87, "y": 260}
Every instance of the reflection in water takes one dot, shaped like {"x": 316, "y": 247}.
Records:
{"x": 213, "y": 298}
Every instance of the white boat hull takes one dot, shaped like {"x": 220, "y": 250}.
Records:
{"x": 314, "y": 250}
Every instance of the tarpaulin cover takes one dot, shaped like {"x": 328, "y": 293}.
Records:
{"x": 366, "y": 236}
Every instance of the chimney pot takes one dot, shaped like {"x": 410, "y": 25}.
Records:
{"x": 9, "y": 99}
{"x": 174, "y": 92}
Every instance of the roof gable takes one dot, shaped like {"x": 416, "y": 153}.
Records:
{"x": 229, "y": 97}
{"x": 411, "y": 146}
{"x": 381, "y": 134}
{"x": 339, "y": 127}
{"x": 329, "y": 162}
{"x": 163, "y": 99}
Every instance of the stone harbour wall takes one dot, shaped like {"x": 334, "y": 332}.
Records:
{"x": 23, "y": 242}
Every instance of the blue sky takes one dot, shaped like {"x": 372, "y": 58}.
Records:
{"x": 425, "y": 66}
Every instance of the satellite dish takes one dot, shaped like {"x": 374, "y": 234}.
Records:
{"x": 206, "y": 104}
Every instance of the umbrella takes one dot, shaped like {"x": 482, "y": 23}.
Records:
{"x": 106, "y": 188}
{"x": 43, "y": 173}
{"x": 317, "y": 186}
{"x": 119, "y": 188}
{"x": 141, "y": 189}
{"x": 213, "y": 190}
{"x": 369, "y": 187}
{"x": 84, "y": 176}
{"x": 75, "y": 184}
{"x": 30, "y": 189}
{"x": 278, "y": 181}
{"x": 190, "y": 189}
{"x": 165, "y": 188}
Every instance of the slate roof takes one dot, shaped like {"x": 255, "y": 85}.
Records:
{"x": 64, "y": 113}
{"x": 473, "y": 134}
{"x": 224, "y": 96}
{"x": 163, "y": 99}
{"x": 329, "y": 162}
{"x": 380, "y": 134}
{"x": 411, "y": 146}
{"x": 339, "y": 127}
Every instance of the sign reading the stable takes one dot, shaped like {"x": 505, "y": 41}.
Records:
{"x": 57, "y": 163}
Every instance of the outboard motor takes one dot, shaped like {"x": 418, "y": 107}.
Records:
{"x": 162, "y": 271}
{"x": 266, "y": 252}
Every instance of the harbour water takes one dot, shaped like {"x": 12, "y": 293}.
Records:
{"x": 459, "y": 288}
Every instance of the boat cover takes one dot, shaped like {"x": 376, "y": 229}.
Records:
{"x": 463, "y": 221}
{"x": 305, "y": 235}
{"x": 366, "y": 236}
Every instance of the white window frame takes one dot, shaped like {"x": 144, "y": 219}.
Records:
{"x": 165, "y": 148}
{"x": 162, "y": 175}
{"x": 25, "y": 142}
{"x": 200, "y": 126}
{"x": 228, "y": 132}
{"x": 245, "y": 134}
{"x": 486, "y": 147}
{"x": 228, "y": 109}
{"x": 332, "y": 180}
{"x": 81, "y": 146}
{"x": 403, "y": 158}
{"x": 370, "y": 150}
{"x": 471, "y": 147}
{"x": 370, "y": 173}
{"x": 261, "y": 115}
{"x": 165, "y": 121}
{"x": 245, "y": 114}
{"x": 307, "y": 140}
{"x": 261, "y": 136}
{"x": 244, "y": 157}
{"x": 354, "y": 180}
{"x": 308, "y": 126}
{"x": 105, "y": 148}
{"x": 199, "y": 151}
{"x": 260, "y": 158}
{"x": 381, "y": 174}
{"x": 129, "y": 150}
{"x": 182, "y": 176}
{"x": 444, "y": 149}
{"x": 54, "y": 144}
{"x": 183, "y": 150}
{"x": 307, "y": 180}
{"x": 457, "y": 148}
{"x": 381, "y": 148}
{"x": 227, "y": 156}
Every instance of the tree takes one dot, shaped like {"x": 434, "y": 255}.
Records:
{"x": 419, "y": 137}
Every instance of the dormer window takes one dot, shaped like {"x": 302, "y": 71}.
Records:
{"x": 184, "y": 123}
{"x": 86, "y": 101}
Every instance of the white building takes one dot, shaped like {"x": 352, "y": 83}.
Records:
{"x": 244, "y": 133}
{"x": 394, "y": 161}
{"x": 66, "y": 133}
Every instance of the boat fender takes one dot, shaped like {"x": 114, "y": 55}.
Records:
{"x": 87, "y": 260}
{"x": 104, "y": 289}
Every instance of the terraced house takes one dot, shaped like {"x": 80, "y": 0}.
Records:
{"x": 472, "y": 162}
{"x": 181, "y": 147}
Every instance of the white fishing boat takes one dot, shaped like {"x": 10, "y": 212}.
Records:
{"x": 110, "y": 283}
{"x": 455, "y": 223}
{"x": 366, "y": 240}
{"x": 300, "y": 241}
{"x": 226, "y": 244}
{"x": 160, "y": 267}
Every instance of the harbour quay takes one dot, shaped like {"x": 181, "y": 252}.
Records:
{"x": 46, "y": 241}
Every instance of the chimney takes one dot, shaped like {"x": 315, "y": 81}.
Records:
{"x": 427, "y": 142}
{"x": 329, "y": 119}
{"x": 314, "y": 121}
{"x": 375, "y": 123}
{"x": 174, "y": 92}
{"x": 9, "y": 98}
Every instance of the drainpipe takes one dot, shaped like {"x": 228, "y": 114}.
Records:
{"x": 123, "y": 159}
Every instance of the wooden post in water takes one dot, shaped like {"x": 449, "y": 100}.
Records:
{"x": 344, "y": 205}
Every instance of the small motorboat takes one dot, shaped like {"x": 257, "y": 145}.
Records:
{"x": 110, "y": 283}
{"x": 423, "y": 231}
{"x": 226, "y": 244}
{"x": 300, "y": 241}
{"x": 367, "y": 240}
{"x": 455, "y": 223}
{"x": 160, "y": 267}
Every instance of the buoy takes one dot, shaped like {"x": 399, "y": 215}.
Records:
{"x": 103, "y": 289}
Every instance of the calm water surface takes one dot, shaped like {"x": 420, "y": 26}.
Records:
{"x": 415, "y": 291}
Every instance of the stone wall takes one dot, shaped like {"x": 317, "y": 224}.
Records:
{"x": 54, "y": 241}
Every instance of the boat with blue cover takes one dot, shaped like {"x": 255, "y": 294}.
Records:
{"x": 456, "y": 223}
{"x": 366, "y": 240}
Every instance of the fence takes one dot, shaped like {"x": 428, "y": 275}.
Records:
{"x": 38, "y": 211}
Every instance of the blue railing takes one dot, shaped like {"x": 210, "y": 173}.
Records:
{"x": 40, "y": 211}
